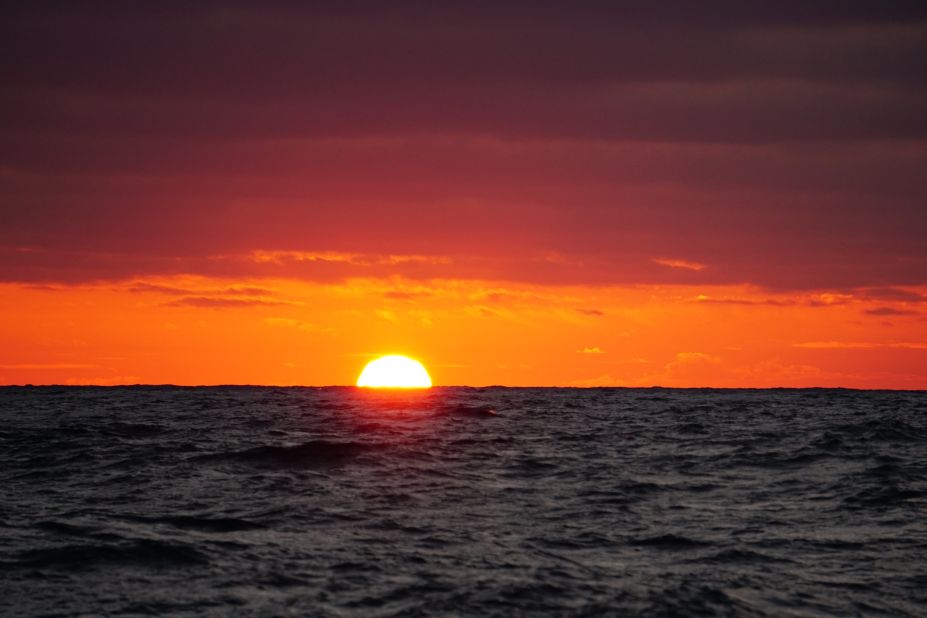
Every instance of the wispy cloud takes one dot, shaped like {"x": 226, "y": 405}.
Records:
{"x": 684, "y": 264}
{"x": 40, "y": 366}
{"x": 405, "y": 295}
{"x": 247, "y": 291}
{"x": 355, "y": 259}
{"x": 220, "y": 302}
{"x": 298, "y": 325}
{"x": 152, "y": 288}
{"x": 890, "y": 311}
{"x": 893, "y": 294}
{"x": 143, "y": 287}
{"x": 701, "y": 298}
{"x": 862, "y": 345}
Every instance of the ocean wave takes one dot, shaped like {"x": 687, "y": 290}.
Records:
{"x": 884, "y": 429}
{"x": 141, "y": 553}
{"x": 883, "y": 497}
{"x": 315, "y": 453}
{"x": 469, "y": 411}
{"x": 200, "y": 523}
{"x": 671, "y": 542}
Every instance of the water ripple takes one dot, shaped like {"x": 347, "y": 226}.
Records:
{"x": 462, "y": 501}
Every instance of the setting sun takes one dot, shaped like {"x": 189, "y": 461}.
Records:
{"x": 394, "y": 371}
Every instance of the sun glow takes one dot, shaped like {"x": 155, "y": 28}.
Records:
{"x": 394, "y": 371}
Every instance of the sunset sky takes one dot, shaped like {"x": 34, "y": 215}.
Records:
{"x": 519, "y": 193}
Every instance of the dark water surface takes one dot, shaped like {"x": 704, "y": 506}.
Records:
{"x": 336, "y": 502}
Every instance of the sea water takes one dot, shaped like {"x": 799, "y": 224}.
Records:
{"x": 258, "y": 501}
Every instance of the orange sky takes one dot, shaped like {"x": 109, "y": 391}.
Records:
{"x": 197, "y": 330}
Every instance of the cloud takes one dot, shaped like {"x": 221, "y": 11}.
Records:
{"x": 829, "y": 299}
{"x": 862, "y": 345}
{"x": 247, "y": 291}
{"x": 45, "y": 366}
{"x": 768, "y": 302}
{"x": 146, "y": 288}
{"x": 405, "y": 294}
{"x": 783, "y": 146}
{"x": 695, "y": 78}
{"x": 893, "y": 294}
{"x": 886, "y": 311}
{"x": 299, "y": 325}
{"x": 220, "y": 303}
{"x": 387, "y": 315}
{"x": 481, "y": 311}
{"x": 356, "y": 259}
{"x": 686, "y": 265}
{"x": 594, "y": 350}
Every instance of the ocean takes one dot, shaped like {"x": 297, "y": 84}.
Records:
{"x": 258, "y": 501}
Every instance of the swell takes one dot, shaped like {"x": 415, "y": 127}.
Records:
{"x": 200, "y": 523}
{"x": 140, "y": 553}
{"x": 671, "y": 542}
{"x": 883, "y": 430}
{"x": 312, "y": 454}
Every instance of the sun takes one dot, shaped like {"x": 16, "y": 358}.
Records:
{"x": 394, "y": 371}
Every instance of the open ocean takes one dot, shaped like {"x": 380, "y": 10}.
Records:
{"x": 251, "y": 501}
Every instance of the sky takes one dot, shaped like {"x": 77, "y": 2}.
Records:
{"x": 521, "y": 193}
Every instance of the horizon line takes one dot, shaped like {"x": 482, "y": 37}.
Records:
{"x": 443, "y": 386}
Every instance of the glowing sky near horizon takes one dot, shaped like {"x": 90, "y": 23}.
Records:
{"x": 600, "y": 194}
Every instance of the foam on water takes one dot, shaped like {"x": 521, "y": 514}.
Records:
{"x": 479, "y": 502}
